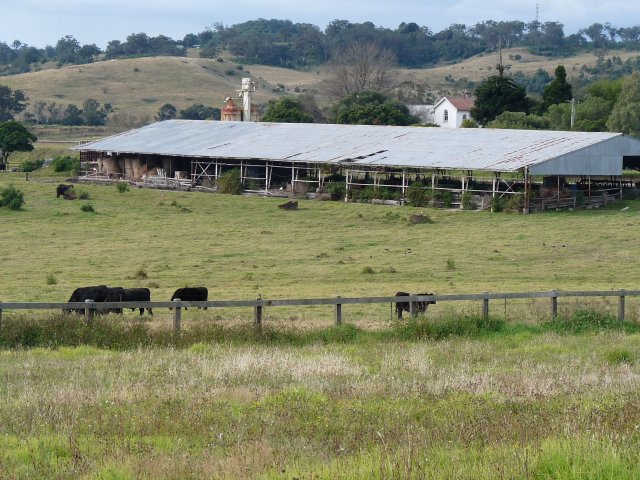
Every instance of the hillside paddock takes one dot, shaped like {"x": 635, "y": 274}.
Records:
{"x": 446, "y": 396}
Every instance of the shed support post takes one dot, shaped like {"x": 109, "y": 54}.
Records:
{"x": 177, "y": 318}
{"x": 258, "y": 313}
{"x": 433, "y": 183}
{"x": 338, "y": 312}
{"x": 621, "y": 306}
{"x": 293, "y": 177}
{"x": 404, "y": 184}
{"x": 554, "y": 304}
{"x": 527, "y": 188}
{"x": 493, "y": 192}
{"x": 485, "y": 305}
{"x": 266, "y": 176}
{"x": 412, "y": 308}
{"x": 88, "y": 311}
{"x": 347, "y": 185}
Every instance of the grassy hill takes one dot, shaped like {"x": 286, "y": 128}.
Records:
{"x": 140, "y": 86}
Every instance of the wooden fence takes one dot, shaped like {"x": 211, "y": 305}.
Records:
{"x": 89, "y": 307}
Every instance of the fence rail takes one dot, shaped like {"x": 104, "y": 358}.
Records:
{"x": 89, "y": 307}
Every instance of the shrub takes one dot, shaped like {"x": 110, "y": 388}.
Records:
{"x": 83, "y": 195}
{"x": 12, "y": 198}
{"x": 32, "y": 165}
{"x": 515, "y": 203}
{"x": 451, "y": 264}
{"x": 446, "y": 198}
{"x": 368, "y": 270}
{"x": 230, "y": 182}
{"x": 65, "y": 164}
{"x": 468, "y": 202}
{"x": 122, "y": 187}
{"x": 498, "y": 204}
{"x": 51, "y": 279}
{"x": 87, "y": 207}
{"x": 337, "y": 190}
{"x": 418, "y": 195}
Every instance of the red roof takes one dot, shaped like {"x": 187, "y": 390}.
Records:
{"x": 462, "y": 103}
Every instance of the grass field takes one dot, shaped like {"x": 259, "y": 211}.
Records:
{"x": 372, "y": 399}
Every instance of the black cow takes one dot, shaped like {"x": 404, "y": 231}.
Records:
{"x": 191, "y": 294}
{"x": 97, "y": 293}
{"x": 63, "y": 190}
{"x": 119, "y": 294}
{"x": 420, "y": 307}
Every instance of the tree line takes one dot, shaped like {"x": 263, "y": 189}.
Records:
{"x": 299, "y": 45}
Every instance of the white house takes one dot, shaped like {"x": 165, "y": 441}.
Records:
{"x": 449, "y": 112}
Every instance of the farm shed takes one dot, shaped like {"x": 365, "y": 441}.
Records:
{"x": 295, "y": 157}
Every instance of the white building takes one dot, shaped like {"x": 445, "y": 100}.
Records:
{"x": 449, "y": 112}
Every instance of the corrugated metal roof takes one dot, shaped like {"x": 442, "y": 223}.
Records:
{"x": 468, "y": 149}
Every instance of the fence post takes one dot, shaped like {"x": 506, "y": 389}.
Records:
{"x": 338, "y": 312}
{"x": 412, "y": 309}
{"x": 0, "y": 315}
{"x": 554, "y": 304}
{"x": 258, "y": 313}
{"x": 621, "y": 305}
{"x": 485, "y": 305}
{"x": 177, "y": 318}
{"x": 88, "y": 310}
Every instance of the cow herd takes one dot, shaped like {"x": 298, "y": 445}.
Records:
{"x": 103, "y": 293}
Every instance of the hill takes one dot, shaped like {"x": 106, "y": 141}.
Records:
{"x": 140, "y": 86}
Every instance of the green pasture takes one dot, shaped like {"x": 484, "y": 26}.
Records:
{"x": 447, "y": 396}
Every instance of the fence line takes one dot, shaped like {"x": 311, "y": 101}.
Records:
{"x": 89, "y": 307}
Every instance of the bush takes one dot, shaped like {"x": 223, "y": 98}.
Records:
{"x": 12, "y": 198}
{"x": 32, "y": 165}
{"x": 122, "y": 187}
{"x": 337, "y": 190}
{"x": 51, "y": 279}
{"x": 498, "y": 204}
{"x": 446, "y": 198}
{"x": 65, "y": 164}
{"x": 468, "y": 202}
{"x": 87, "y": 207}
{"x": 418, "y": 195}
{"x": 230, "y": 182}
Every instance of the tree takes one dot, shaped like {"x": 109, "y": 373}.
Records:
{"x": 200, "y": 112}
{"x": 360, "y": 67}
{"x": 72, "y": 115}
{"x": 371, "y": 108}
{"x": 166, "y": 112}
{"x": 93, "y": 114}
{"x": 14, "y": 137}
{"x": 519, "y": 121}
{"x": 625, "y": 116}
{"x": 11, "y": 103}
{"x": 558, "y": 91}
{"x": 286, "y": 110}
{"x": 498, "y": 94}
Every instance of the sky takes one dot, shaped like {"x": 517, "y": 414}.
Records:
{"x": 44, "y": 22}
